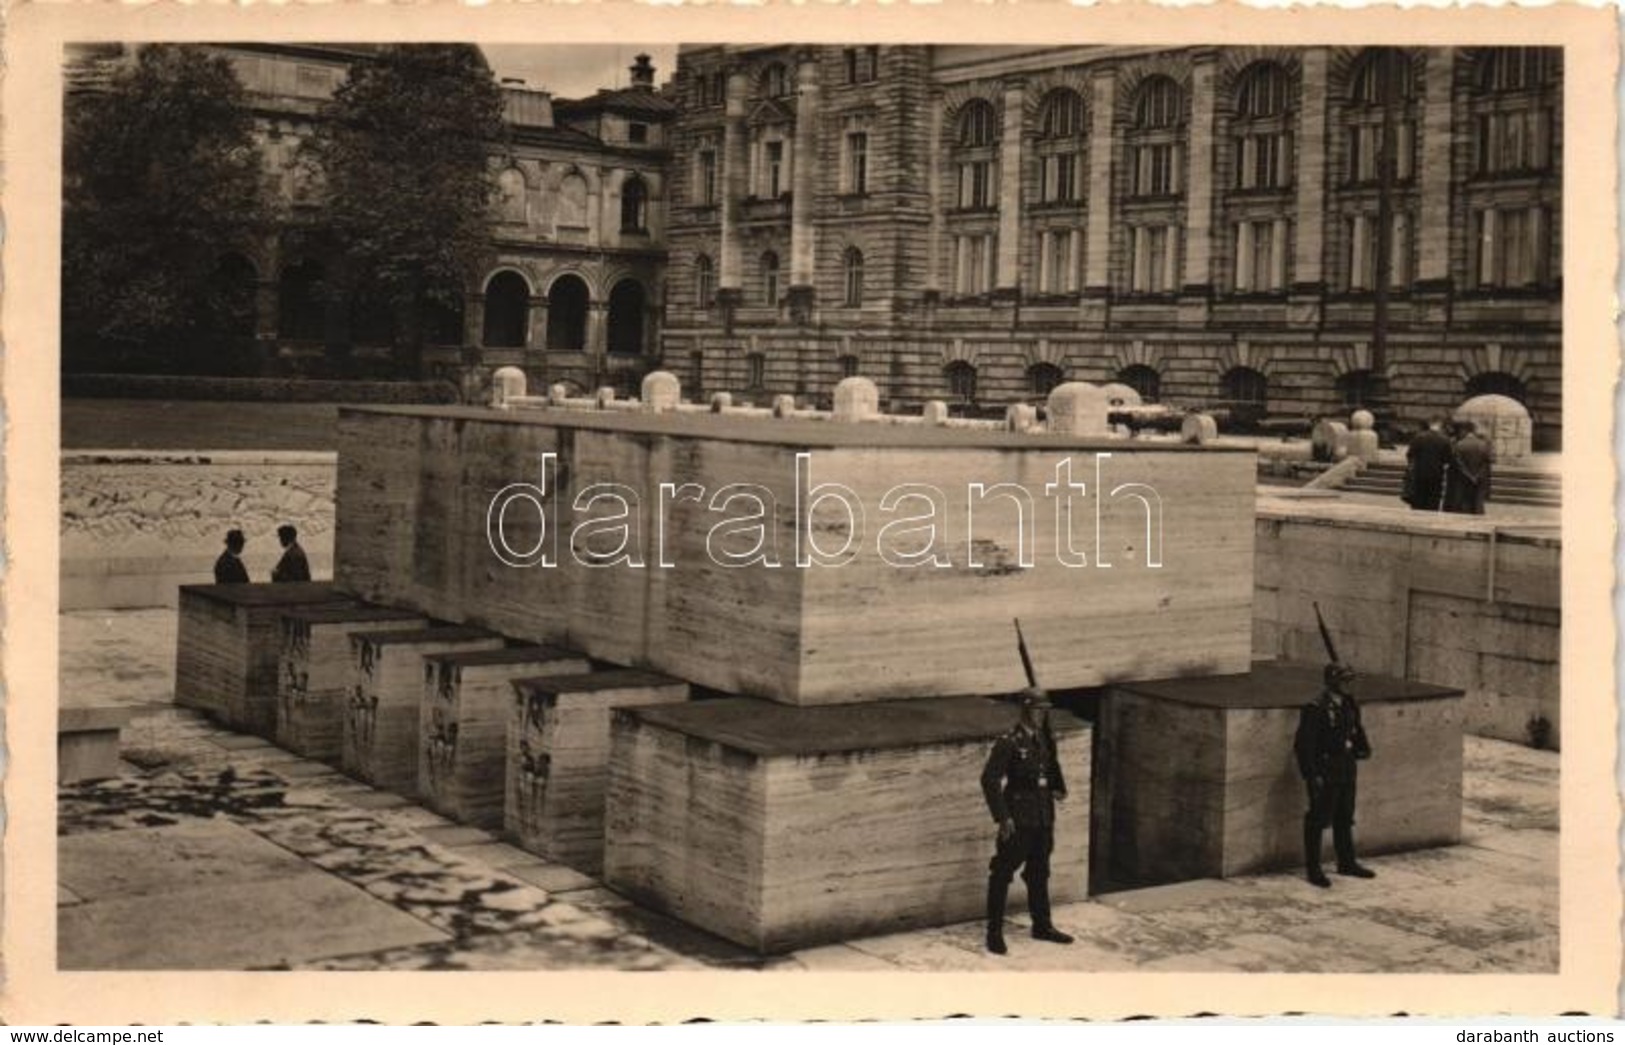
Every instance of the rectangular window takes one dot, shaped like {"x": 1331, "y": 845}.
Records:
{"x": 857, "y": 163}
{"x": 973, "y": 264}
{"x": 1512, "y": 142}
{"x": 1262, "y": 161}
{"x": 1154, "y": 173}
{"x": 1511, "y": 247}
{"x": 774, "y": 160}
{"x": 1261, "y": 256}
{"x": 976, "y": 185}
{"x": 1058, "y": 261}
{"x": 1155, "y": 253}
{"x": 637, "y": 133}
{"x": 1060, "y": 178}
{"x": 705, "y": 177}
{"x": 1363, "y": 246}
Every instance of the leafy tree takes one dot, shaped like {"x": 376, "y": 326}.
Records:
{"x": 162, "y": 180}
{"x": 402, "y": 158}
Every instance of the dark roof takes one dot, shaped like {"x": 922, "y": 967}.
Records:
{"x": 631, "y": 101}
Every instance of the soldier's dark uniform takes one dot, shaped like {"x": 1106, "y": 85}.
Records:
{"x": 1021, "y": 781}
{"x": 1330, "y": 743}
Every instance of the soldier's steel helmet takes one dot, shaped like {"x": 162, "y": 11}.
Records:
{"x": 1336, "y": 673}
{"x": 1033, "y": 697}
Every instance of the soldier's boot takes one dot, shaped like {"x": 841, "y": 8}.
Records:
{"x": 1343, "y": 839}
{"x": 1311, "y": 855}
{"x": 1038, "y": 907}
{"x": 996, "y": 891}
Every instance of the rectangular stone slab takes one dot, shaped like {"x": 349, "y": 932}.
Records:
{"x": 314, "y": 673}
{"x": 415, "y": 529}
{"x": 463, "y": 725}
{"x": 781, "y": 828}
{"x": 558, "y": 758}
{"x": 228, "y": 642}
{"x": 87, "y": 742}
{"x": 381, "y": 716}
{"x": 1197, "y": 778}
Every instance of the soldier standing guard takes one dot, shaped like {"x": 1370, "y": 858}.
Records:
{"x": 1021, "y": 781}
{"x": 1329, "y": 744}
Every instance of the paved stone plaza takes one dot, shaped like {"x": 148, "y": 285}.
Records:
{"x": 215, "y": 850}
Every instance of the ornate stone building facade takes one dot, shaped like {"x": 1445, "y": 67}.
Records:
{"x": 1206, "y": 224}
{"x": 571, "y": 289}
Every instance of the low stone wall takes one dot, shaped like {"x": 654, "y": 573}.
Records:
{"x": 1455, "y": 602}
{"x": 138, "y": 524}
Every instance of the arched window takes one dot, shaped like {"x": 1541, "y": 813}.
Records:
{"x": 1144, "y": 380}
{"x": 776, "y": 81}
{"x": 1505, "y": 69}
{"x": 976, "y": 155}
{"x": 507, "y": 311}
{"x": 1043, "y": 378}
{"x": 1261, "y": 91}
{"x": 1060, "y": 146}
{"x": 1061, "y": 114}
{"x": 849, "y": 366}
{"x": 1512, "y": 111}
{"x": 1362, "y": 115}
{"x": 978, "y": 124}
{"x": 511, "y": 196}
{"x": 961, "y": 379}
{"x": 626, "y": 311}
{"x": 1498, "y": 383}
{"x": 1244, "y": 385}
{"x": 705, "y": 282}
{"x": 852, "y": 277}
{"x": 1359, "y": 388}
{"x": 573, "y": 201}
{"x": 634, "y": 205}
{"x": 567, "y": 315}
{"x": 770, "y": 279}
{"x": 302, "y": 302}
{"x": 755, "y": 371}
{"x": 1263, "y": 127}
{"x": 1159, "y": 105}
{"x": 1154, "y": 143}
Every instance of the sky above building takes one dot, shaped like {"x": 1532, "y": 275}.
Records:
{"x": 577, "y": 70}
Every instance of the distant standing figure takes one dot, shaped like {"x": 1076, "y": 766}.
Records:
{"x": 293, "y": 566}
{"x": 1329, "y": 743}
{"x": 1467, "y": 486}
{"x": 1021, "y": 782}
{"x": 1426, "y": 459}
{"x": 229, "y": 568}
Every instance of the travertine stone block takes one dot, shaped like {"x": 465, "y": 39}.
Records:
{"x": 314, "y": 673}
{"x": 381, "y": 716}
{"x": 1079, "y": 408}
{"x": 558, "y": 756}
{"x": 1154, "y": 578}
{"x": 463, "y": 725}
{"x": 780, "y": 827}
{"x": 1196, "y": 778}
{"x": 87, "y": 742}
{"x": 856, "y": 399}
{"x": 228, "y": 642}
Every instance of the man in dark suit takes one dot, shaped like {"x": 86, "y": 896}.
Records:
{"x": 1426, "y": 458}
{"x": 1329, "y": 744}
{"x": 1021, "y": 782}
{"x": 1467, "y": 487}
{"x": 293, "y": 566}
{"x": 229, "y": 568}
